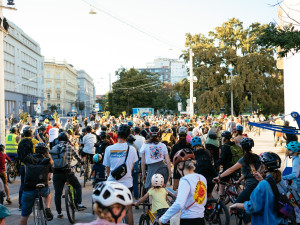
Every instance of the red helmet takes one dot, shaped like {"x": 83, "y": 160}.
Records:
{"x": 183, "y": 155}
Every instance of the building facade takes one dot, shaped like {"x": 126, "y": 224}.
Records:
{"x": 86, "y": 93}
{"x": 23, "y": 72}
{"x": 164, "y": 72}
{"x": 60, "y": 86}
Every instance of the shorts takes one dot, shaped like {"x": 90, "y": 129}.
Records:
{"x": 28, "y": 199}
{"x": 89, "y": 156}
{"x": 3, "y": 177}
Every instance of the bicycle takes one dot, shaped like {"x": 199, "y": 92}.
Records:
{"x": 12, "y": 171}
{"x": 216, "y": 212}
{"x": 2, "y": 192}
{"x": 38, "y": 209}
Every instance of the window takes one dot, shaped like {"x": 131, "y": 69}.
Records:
{"x": 58, "y": 96}
{"x": 58, "y": 86}
{"x": 48, "y": 85}
{"x": 57, "y": 76}
{"x": 48, "y": 106}
{"x": 48, "y": 96}
{"x": 58, "y": 106}
{"x": 48, "y": 75}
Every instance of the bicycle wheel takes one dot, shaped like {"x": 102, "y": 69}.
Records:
{"x": 144, "y": 220}
{"x": 70, "y": 207}
{"x": 38, "y": 214}
{"x": 11, "y": 173}
{"x": 216, "y": 212}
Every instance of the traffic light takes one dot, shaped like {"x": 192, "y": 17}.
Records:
{"x": 10, "y": 2}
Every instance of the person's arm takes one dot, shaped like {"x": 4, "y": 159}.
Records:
{"x": 257, "y": 198}
{"x": 107, "y": 170}
{"x": 229, "y": 171}
{"x": 7, "y": 158}
{"x": 169, "y": 165}
{"x": 141, "y": 200}
{"x": 143, "y": 166}
{"x": 295, "y": 170}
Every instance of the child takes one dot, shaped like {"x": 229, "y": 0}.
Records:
{"x": 3, "y": 176}
{"x": 98, "y": 170}
{"x": 157, "y": 193}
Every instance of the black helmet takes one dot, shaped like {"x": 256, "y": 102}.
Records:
{"x": 271, "y": 160}
{"x": 41, "y": 148}
{"x": 13, "y": 130}
{"x": 2, "y": 147}
{"x": 104, "y": 128}
{"x": 83, "y": 130}
{"x": 103, "y": 134}
{"x": 154, "y": 131}
{"x": 63, "y": 137}
{"x": 131, "y": 138}
{"x": 147, "y": 124}
{"x": 226, "y": 134}
{"x": 247, "y": 143}
{"x": 27, "y": 131}
{"x": 43, "y": 128}
{"x": 137, "y": 130}
{"x": 124, "y": 130}
{"x": 88, "y": 129}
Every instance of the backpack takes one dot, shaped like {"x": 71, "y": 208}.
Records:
{"x": 36, "y": 171}
{"x": 25, "y": 148}
{"x": 166, "y": 137}
{"x": 237, "y": 153}
{"x": 204, "y": 164}
{"x": 282, "y": 205}
{"x": 59, "y": 156}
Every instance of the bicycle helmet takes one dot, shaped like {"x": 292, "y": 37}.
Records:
{"x": 41, "y": 148}
{"x": 13, "y": 130}
{"x": 247, "y": 143}
{"x": 182, "y": 130}
{"x": 157, "y": 180}
{"x": 271, "y": 160}
{"x": 226, "y": 134}
{"x": 154, "y": 131}
{"x": 27, "y": 131}
{"x": 2, "y": 147}
{"x": 196, "y": 141}
{"x": 239, "y": 128}
{"x": 293, "y": 146}
{"x": 88, "y": 129}
{"x": 136, "y": 130}
{"x": 124, "y": 130}
{"x": 130, "y": 123}
{"x": 97, "y": 158}
{"x": 183, "y": 155}
{"x": 63, "y": 136}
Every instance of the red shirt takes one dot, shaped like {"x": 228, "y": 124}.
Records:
{"x": 48, "y": 128}
{"x": 114, "y": 137}
{"x": 3, "y": 157}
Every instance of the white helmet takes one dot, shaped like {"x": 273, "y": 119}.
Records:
{"x": 157, "y": 180}
{"x": 182, "y": 130}
{"x": 108, "y": 193}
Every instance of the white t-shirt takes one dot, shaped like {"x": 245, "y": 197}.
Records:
{"x": 53, "y": 133}
{"x": 154, "y": 153}
{"x": 139, "y": 141}
{"x": 115, "y": 156}
{"x": 192, "y": 188}
{"x": 89, "y": 140}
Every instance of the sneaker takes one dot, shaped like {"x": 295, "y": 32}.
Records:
{"x": 8, "y": 201}
{"x": 81, "y": 207}
{"x": 60, "y": 215}
{"x": 49, "y": 214}
{"x": 20, "y": 208}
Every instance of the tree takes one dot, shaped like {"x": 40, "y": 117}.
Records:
{"x": 80, "y": 105}
{"x": 53, "y": 108}
{"x": 231, "y": 48}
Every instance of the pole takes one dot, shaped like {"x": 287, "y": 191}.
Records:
{"x": 191, "y": 85}
{"x": 231, "y": 94}
{"x": 251, "y": 103}
{"x": 2, "y": 92}
{"x": 109, "y": 82}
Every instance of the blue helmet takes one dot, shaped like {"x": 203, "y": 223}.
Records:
{"x": 239, "y": 127}
{"x": 97, "y": 158}
{"x": 130, "y": 123}
{"x": 196, "y": 141}
{"x": 293, "y": 146}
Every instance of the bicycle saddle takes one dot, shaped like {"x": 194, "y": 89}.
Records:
{"x": 40, "y": 186}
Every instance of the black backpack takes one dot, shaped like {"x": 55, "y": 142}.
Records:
{"x": 25, "y": 148}
{"x": 204, "y": 164}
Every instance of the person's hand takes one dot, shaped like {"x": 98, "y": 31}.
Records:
{"x": 258, "y": 176}
{"x": 159, "y": 222}
{"x": 232, "y": 209}
{"x": 216, "y": 180}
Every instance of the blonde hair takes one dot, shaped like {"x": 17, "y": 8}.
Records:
{"x": 190, "y": 164}
{"x": 103, "y": 213}
{"x": 276, "y": 174}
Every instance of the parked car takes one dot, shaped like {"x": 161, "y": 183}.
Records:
{"x": 42, "y": 117}
{"x": 72, "y": 114}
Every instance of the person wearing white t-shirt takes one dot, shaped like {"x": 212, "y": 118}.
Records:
{"x": 139, "y": 140}
{"x": 89, "y": 141}
{"x": 192, "y": 192}
{"x": 53, "y": 132}
{"x": 155, "y": 155}
{"x": 115, "y": 156}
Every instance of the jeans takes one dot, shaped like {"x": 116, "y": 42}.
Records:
{"x": 22, "y": 174}
{"x": 59, "y": 181}
{"x": 135, "y": 176}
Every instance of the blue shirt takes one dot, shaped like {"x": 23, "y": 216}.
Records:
{"x": 261, "y": 206}
{"x": 295, "y": 175}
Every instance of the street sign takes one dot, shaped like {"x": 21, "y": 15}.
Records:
{"x": 73, "y": 109}
{"x": 97, "y": 107}
{"x": 38, "y": 109}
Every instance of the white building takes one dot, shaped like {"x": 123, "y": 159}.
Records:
{"x": 23, "y": 72}
{"x": 177, "y": 68}
{"x": 86, "y": 91}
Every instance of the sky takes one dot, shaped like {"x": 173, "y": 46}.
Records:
{"x": 100, "y": 43}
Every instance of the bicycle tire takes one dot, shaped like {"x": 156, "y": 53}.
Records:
{"x": 42, "y": 212}
{"x": 70, "y": 207}
{"x": 144, "y": 220}
{"x": 11, "y": 173}
{"x": 292, "y": 220}
{"x": 213, "y": 215}
{"x": 2, "y": 195}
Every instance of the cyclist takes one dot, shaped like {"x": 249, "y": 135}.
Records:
{"x": 181, "y": 144}
{"x": 239, "y": 135}
{"x": 293, "y": 148}
{"x": 98, "y": 170}
{"x": 11, "y": 143}
{"x": 145, "y": 132}
{"x": 262, "y": 199}
{"x": 110, "y": 209}
{"x": 191, "y": 197}
{"x": 139, "y": 139}
{"x": 89, "y": 141}
{"x": 115, "y": 156}
{"x": 3, "y": 177}
{"x": 64, "y": 174}
{"x": 155, "y": 155}
{"x": 36, "y": 175}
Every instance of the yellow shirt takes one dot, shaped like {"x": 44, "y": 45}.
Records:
{"x": 158, "y": 196}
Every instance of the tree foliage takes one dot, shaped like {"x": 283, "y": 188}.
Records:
{"x": 231, "y": 48}
{"x": 135, "y": 89}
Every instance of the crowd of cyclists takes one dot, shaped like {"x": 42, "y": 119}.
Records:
{"x": 196, "y": 157}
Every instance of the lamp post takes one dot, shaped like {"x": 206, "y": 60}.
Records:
{"x": 191, "y": 85}
{"x": 231, "y": 94}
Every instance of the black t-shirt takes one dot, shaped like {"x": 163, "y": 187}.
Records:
{"x": 204, "y": 164}
{"x": 145, "y": 133}
{"x": 226, "y": 156}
